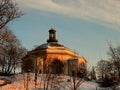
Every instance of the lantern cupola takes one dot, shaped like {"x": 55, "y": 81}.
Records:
{"x": 52, "y": 36}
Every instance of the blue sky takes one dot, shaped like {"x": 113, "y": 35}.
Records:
{"x": 85, "y": 26}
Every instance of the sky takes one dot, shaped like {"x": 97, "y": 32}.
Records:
{"x": 85, "y": 26}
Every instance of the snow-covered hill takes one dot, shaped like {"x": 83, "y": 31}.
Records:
{"x": 18, "y": 82}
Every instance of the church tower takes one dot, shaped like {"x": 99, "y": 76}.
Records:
{"x": 52, "y": 36}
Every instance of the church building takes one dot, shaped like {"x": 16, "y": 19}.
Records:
{"x": 43, "y": 55}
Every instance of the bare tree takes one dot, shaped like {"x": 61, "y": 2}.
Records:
{"x": 11, "y": 51}
{"x": 51, "y": 79}
{"x": 103, "y": 67}
{"x": 56, "y": 66}
{"x": 48, "y": 80}
{"x": 108, "y": 73}
{"x": 82, "y": 70}
{"x": 77, "y": 78}
{"x": 28, "y": 63}
{"x": 114, "y": 53}
{"x": 8, "y": 12}
{"x": 75, "y": 82}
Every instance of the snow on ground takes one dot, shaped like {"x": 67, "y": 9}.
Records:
{"x": 19, "y": 82}
{"x": 88, "y": 85}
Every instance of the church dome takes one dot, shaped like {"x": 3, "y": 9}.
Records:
{"x": 52, "y": 42}
{"x": 52, "y": 46}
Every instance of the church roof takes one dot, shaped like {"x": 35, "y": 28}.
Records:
{"x": 50, "y": 45}
{"x": 53, "y": 48}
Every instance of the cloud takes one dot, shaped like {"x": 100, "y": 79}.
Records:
{"x": 106, "y": 12}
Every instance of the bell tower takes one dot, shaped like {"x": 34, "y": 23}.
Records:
{"x": 52, "y": 36}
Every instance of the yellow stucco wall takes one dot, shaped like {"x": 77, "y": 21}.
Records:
{"x": 61, "y": 54}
